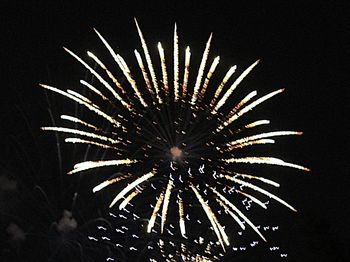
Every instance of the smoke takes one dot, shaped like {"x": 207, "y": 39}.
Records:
{"x": 15, "y": 233}
{"x": 67, "y": 223}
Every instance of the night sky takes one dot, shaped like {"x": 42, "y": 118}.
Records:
{"x": 301, "y": 47}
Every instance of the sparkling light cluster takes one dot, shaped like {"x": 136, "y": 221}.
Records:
{"x": 178, "y": 135}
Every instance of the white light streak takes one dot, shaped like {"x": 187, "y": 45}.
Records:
{"x": 223, "y": 100}
{"x": 131, "y": 186}
{"x": 83, "y": 166}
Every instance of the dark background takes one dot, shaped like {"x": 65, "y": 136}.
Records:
{"x": 302, "y": 48}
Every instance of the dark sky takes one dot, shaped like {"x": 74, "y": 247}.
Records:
{"x": 302, "y": 48}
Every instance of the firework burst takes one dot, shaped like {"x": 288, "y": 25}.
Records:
{"x": 174, "y": 132}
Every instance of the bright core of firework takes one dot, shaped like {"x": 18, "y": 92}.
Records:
{"x": 175, "y": 152}
{"x": 192, "y": 119}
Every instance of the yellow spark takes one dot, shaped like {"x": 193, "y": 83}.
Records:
{"x": 265, "y": 160}
{"x": 257, "y": 123}
{"x": 181, "y": 215}
{"x": 176, "y": 64}
{"x": 111, "y": 76}
{"x": 165, "y": 74}
{"x": 254, "y": 199}
{"x": 109, "y": 182}
{"x": 155, "y": 212}
{"x": 262, "y": 179}
{"x": 242, "y": 103}
{"x": 79, "y": 121}
{"x": 247, "y": 126}
{"x": 263, "y": 135}
{"x": 86, "y": 165}
{"x": 128, "y": 199}
{"x": 221, "y": 86}
{"x": 110, "y": 49}
{"x": 201, "y": 71}
{"x": 209, "y": 75}
{"x": 121, "y": 63}
{"x": 187, "y": 72}
{"x": 144, "y": 72}
{"x": 251, "y": 106}
{"x": 126, "y": 71}
{"x": 219, "y": 231}
{"x": 76, "y": 99}
{"x": 166, "y": 203}
{"x": 81, "y": 97}
{"x": 234, "y": 208}
{"x": 149, "y": 62}
{"x": 100, "y": 78}
{"x": 92, "y": 88}
{"x": 250, "y": 143}
{"x": 258, "y": 189}
{"x": 233, "y": 86}
{"x": 81, "y": 133}
{"x": 82, "y": 141}
{"x": 131, "y": 186}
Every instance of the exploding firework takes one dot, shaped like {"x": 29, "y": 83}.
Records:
{"x": 179, "y": 139}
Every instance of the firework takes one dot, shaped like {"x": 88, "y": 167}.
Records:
{"x": 181, "y": 137}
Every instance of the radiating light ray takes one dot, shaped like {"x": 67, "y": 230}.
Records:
{"x": 212, "y": 218}
{"x": 129, "y": 198}
{"x": 164, "y": 72}
{"x": 227, "y": 209}
{"x": 221, "y": 86}
{"x": 78, "y": 121}
{"x": 176, "y": 64}
{"x": 247, "y": 126}
{"x": 242, "y": 103}
{"x": 181, "y": 216}
{"x": 265, "y": 160}
{"x": 187, "y": 72}
{"x": 258, "y": 189}
{"x": 87, "y": 165}
{"x": 109, "y": 182}
{"x": 90, "y": 107}
{"x": 111, "y": 76}
{"x": 81, "y": 133}
{"x": 81, "y": 97}
{"x": 155, "y": 212}
{"x": 254, "y": 199}
{"x": 233, "y": 86}
{"x": 201, "y": 71}
{"x": 149, "y": 62}
{"x": 100, "y": 78}
{"x": 94, "y": 89}
{"x": 251, "y": 106}
{"x": 109, "y": 48}
{"x": 251, "y": 143}
{"x": 262, "y": 179}
{"x": 166, "y": 203}
{"x": 257, "y": 123}
{"x": 263, "y": 135}
{"x": 144, "y": 72}
{"x": 127, "y": 73}
{"x": 131, "y": 186}
{"x": 209, "y": 75}
{"x": 83, "y": 141}
{"x": 234, "y": 208}
{"x": 115, "y": 56}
